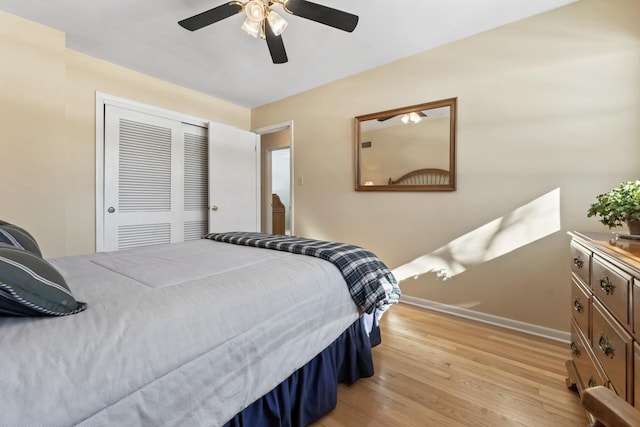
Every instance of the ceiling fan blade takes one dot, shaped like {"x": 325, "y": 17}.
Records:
{"x": 323, "y": 14}
{"x": 276, "y": 46}
{"x": 211, "y": 16}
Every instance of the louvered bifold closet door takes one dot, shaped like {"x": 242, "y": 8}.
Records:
{"x": 144, "y": 185}
{"x": 196, "y": 181}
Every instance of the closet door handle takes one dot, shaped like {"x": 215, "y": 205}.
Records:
{"x": 111, "y": 209}
{"x": 214, "y": 208}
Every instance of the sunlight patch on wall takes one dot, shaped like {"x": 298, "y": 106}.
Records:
{"x": 526, "y": 224}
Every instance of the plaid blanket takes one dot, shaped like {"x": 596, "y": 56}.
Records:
{"x": 371, "y": 285}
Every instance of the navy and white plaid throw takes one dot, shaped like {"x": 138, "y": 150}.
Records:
{"x": 371, "y": 285}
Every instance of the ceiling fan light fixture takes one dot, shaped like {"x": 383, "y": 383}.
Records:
{"x": 414, "y": 117}
{"x": 253, "y": 28}
{"x": 277, "y": 22}
{"x": 411, "y": 118}
{"x": 255, "y": 10}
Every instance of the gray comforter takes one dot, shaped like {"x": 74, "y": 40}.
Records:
{"x": 186, "y": 334}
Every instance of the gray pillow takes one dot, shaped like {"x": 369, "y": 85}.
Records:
{"x": 16, "y": 236}
{"x": 30, "y": 286}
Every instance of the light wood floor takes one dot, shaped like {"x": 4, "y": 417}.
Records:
{"x": 434, "y": 369}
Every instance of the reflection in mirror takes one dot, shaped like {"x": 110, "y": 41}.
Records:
{"x": 407, "y": 149}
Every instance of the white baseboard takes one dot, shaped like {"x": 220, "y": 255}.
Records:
{"x": 503, "y": 322}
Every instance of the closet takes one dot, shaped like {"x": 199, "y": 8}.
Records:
{"x": 168, "y": 178}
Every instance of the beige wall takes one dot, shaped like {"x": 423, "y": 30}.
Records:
{"x": 548, "y": 117}
{"x": 47, "y": 137}
{"x": 32, "y": 130}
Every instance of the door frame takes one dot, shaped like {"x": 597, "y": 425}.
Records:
{"x": 103, "y": 99}
{"x": 276, "y": 128}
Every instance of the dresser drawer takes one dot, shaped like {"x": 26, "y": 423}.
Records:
{"x": 613, "y": 348}
{"x": 581, "y": 306}
{"x": 612, "y": 287}
{"x": 583, "y": 359}
{"x": 581, "y": 262}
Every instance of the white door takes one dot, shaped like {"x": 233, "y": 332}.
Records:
{"x": 139, "y": 179}
{"x": 233, "y": 179}
{"x": 156, "y": 180}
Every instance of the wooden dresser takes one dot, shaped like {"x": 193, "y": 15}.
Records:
{"x": 605, "y": 314}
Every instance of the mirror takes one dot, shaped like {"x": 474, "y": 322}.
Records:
{"x": 407, "y": 149}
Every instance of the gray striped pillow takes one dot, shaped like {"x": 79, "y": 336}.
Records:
{"x": 30, "y": 286}
{"x": 16, "y": 236}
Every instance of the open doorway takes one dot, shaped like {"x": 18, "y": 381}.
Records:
{"x": 276, "y": 170}
{"x": 281, "y": 191}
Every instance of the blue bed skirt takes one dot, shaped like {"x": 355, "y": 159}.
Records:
{"x": 311, "y": 392}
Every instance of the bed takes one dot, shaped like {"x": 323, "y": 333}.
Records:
{"x": 201, "y": 333}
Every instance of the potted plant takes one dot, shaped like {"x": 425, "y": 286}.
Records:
{"x": 619, "y": 206}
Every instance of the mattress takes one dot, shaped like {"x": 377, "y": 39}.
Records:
{"x": 182, "y": 334}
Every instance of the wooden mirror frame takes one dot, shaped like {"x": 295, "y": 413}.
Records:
{"x": 450, "y": 186}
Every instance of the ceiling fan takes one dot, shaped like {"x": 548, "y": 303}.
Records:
{"x": 265, "y": 23}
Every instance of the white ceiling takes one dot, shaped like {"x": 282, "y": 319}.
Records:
{"x": 224, "y": 62}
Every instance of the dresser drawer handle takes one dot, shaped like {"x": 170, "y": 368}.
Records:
{"x": 605, "y": 347}
{"x": 578, "y": 262}
{"x": 591, "y": 382}
{"x": 577, "y": 305}
{"x": 575, "y": 350}
{"x": 606, "y": 285}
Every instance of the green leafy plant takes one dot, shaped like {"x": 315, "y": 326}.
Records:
{"x": 618, "y": 206}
